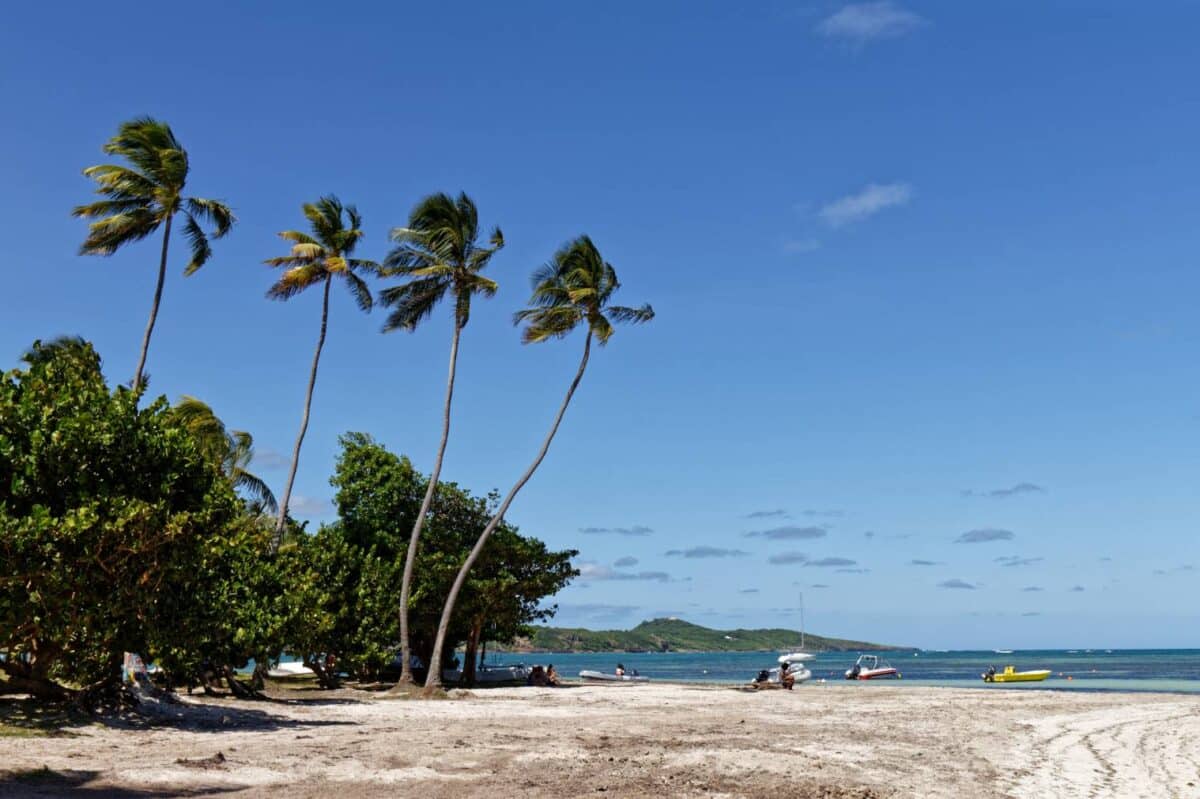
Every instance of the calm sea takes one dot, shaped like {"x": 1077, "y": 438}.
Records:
{"x": 1175, "y": 670}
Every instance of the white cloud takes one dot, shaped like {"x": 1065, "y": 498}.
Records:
{"x": 874, "y": 198}
{"x": 864, "y": 22}
{"x": 310, "y": 506}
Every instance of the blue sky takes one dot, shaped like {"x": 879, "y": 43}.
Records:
{"x": 921, "y": 270}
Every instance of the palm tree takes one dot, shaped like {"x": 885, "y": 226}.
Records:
{"x": 145, "y": 196}
{"x": 233, "y": 449}
{"x": 440, "y": 254}
{"x": 574, "y": 288}
{"x": 315, "y": 260}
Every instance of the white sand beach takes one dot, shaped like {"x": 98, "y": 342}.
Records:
{"x": 821, "y": 740}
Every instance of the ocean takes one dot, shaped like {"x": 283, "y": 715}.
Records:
{"x": 1173, "y": 670}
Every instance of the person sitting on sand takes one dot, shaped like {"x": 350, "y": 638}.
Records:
{"x": 786, "y": 678}
{"x": 537, "y": 677}
{"x": 552, "y": 677}
{"x": 620, "y": 669}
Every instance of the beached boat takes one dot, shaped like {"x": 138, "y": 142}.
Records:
{"x": 602, "y": 677}
{"x": 290, "y": 670}
{"x": 492, "y": 675}
{"x": 870, "y": 667}
{"x": 1010, "y": 674}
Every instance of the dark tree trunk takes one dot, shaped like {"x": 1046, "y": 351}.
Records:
{"x": 467, "y": 677}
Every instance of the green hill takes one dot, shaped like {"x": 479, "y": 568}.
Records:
{"x": 676, "y": 635}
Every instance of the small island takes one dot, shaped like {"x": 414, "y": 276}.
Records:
{"x": 677, "y": 635}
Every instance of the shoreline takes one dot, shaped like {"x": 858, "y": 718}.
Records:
{"x": 669, "y": 739}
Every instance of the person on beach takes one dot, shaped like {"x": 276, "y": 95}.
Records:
{"x": 786, "y": 678}
{"x": 620, "y": 669}
{"x": 552, "y": 677}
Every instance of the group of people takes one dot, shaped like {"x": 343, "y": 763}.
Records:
{"x": 786, "y": 678}
{"x": 544, "y": 677}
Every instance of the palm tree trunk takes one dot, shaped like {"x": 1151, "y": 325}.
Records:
{"x": 312, "y": 381}
{"x": 162, "y": 276}
{"x": 434, "y": 680}
{"x": 406, "y": 677}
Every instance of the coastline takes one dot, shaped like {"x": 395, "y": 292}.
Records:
{"x": 827, "y": 740}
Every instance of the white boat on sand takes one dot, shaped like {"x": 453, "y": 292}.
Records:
{"x": 614, "y": 679}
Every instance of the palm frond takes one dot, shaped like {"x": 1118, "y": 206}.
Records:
{"x": 412, "y": 302}
{"x": 624, "y": 315}
{"x": 358, "y": 288}
{"x": 215, "y": 212}
{"x": 201, "y": 251}
{"x": 107, "y": 235}
{"x": 258, "y": 490}
{"x": 296, "y": 280}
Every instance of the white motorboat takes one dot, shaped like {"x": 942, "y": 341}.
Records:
{"x": 870, "y": 667}
{"x": 615, "y": 679}
{"x": 291, "y": 669}
{"x": 797, "y": 671}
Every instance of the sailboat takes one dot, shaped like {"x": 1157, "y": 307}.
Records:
{"x": 793, "y": 662}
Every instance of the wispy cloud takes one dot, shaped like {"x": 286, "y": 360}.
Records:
{"x": 1031, "y": 588}
{"x": 706, "y": 552}
{"x": 768, "y": 514}
{"x": 860, "y": 23}
{"x": 854, "y": 571}
{"x": 919, "y": 562}
{"x": 788, "y": 533}
{"x": 984, "y": 535}
{"x": 1005, "y": 493}
{"x": 831, "y": 562}
{"x": 637, "y": 529}
{"x": 800, "y": 246}
{"x": 597, "y": 611}
{"x": 957, "y": 583}
{"x": 1017, "y": 560}
{"x": 269, "y": 459}
{"x": 310, "y": 506}
{"x": 625, "y": 562}
{"x": 598, "y": 571}
{"x": 1031, "y": 613}
{"x": 817, "y": 513}
{"x": 818, "y": 585}
{"x": 748, "y": 591}
{"x": 1186, "y": 567}
{"x": 1078, "y": 588}
{"x": 871, "y": 200}
{"x": 785, "y": 558}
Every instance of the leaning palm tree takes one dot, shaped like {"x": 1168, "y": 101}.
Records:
{"x": 145, "y": 196}
{"x": 232, "y": 449}
{"x": 440, "y": 254}
{"x": 315, "y": 260}
{"x": 574, "y": 288}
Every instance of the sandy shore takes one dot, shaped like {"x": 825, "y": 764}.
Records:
{"x": 819, "y": 741}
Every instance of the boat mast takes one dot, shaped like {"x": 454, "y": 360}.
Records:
{"x": 801, "y": 621}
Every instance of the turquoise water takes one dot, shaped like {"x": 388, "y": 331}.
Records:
{"x": 1175, "y": 670}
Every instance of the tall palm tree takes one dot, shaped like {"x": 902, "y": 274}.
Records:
{"x": 145, "y": 196}
{"x": 440, "y": 254}
{"x": 315, "y": 260}
{"x": 233, "y": 449}
{"x": 573, "y": 289}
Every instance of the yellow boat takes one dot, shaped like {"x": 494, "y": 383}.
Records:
{"x": 1010, "y": 674}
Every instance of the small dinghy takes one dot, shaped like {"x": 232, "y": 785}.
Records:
{"x": 290, "y": 670}
{"x": 599, "y": 676}
{"x": 1010, "y": 674}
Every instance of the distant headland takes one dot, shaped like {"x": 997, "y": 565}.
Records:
{"x": 676, "y": 635}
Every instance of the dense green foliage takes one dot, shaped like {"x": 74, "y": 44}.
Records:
{"x": 355, "y": 566}
{"x": 118, "y": 532}
{"x": 676, "y": 635}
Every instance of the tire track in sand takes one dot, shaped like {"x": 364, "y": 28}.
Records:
{"x": 1092, "y": 756}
